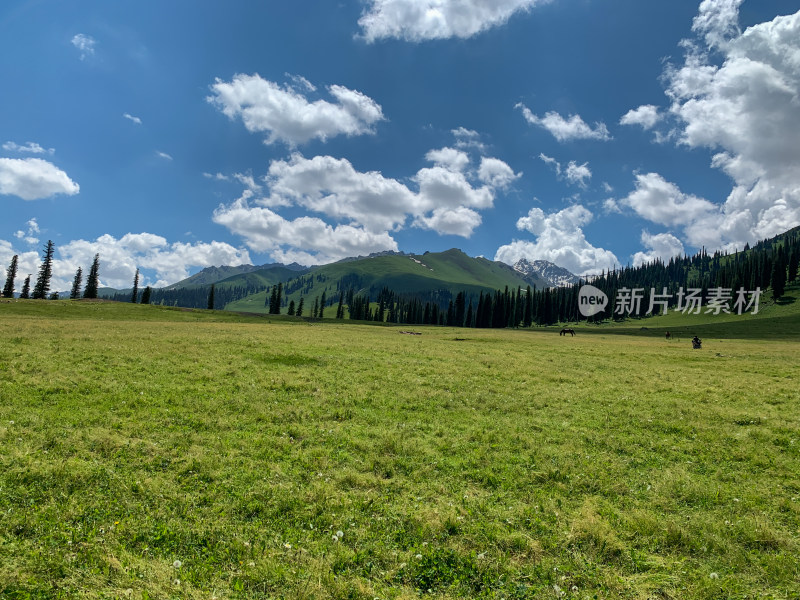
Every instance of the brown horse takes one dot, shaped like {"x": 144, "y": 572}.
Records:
{"x": 669, "y": 335}
{"x": 566, "y": 330}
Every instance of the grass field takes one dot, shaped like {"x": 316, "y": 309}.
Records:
{"x": 158, "y": 453}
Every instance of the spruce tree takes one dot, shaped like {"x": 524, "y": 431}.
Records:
{"x": 45, "y": 273}
{"x": 273, "y": 301}
{"x": 211, "y": 298}
{"x": 146, "y": 295}
{"x": 290, "y": 312}
{"x": 76, "y": 285}
{"x": 8, "y": 289}
{"x": 54, "y": 296}
{"x": 793, "y": 266}
{"x": 135, "y": 293}
{"x": 299, "y": 311}
{"x": 340, "y": 308}
{"x": 322, "y": 305}
{"x": 315, "y": 310}
{"x": 26, "y": 288}
{"x": 92, "y": 280}
{"x": 778, "y": 278}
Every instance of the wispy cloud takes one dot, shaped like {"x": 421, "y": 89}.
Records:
{"x": 163, "y": 155}
{"x": 30, "y": 236}
{"x": 29, "y": 147}
{"x": 566, "y": 129}
{"x": 130, "y": 117}
{"x": 574, "y": 173}
{"x": 85, "y": 44}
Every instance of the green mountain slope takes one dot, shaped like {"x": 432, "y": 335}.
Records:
{"x": 211, "y": 275}
{"x": 260, "y": 278}
{"x": 434, "y": 275}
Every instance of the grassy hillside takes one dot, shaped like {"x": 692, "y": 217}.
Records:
{"x": 451, "y": 271}
{"x": 156, "y": 453}
{"x": 261, "y": 277}
{"x": 215, "y": 275}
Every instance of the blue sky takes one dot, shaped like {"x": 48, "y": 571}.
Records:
{"x": 175, "y": 135}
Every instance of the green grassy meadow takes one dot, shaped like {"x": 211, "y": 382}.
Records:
{"x": 162, "y": 453}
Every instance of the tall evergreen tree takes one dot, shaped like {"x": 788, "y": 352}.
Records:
{"x": 299, "y": 311}
{"x": 290, "y": 310}
{"x": 8, "y": 289}
{"x": 273, "y": 299}
{"x": 315, "y": 309}
{"x": 135, "y": 292}
{"x": 340, "y": 308}
{"x": 92, "y": 280}
{"x": 794, "y": 259}
{"x": 45, "y": 273}
{"x": 778, "y": 278}
{"x": 322, "y": 305}
{"x": 460, "y": 309}
{"x": 26, "y": 288}
{"x": 146, "y": 295}
{"x": 211, "y": 298}
{"x": 76, "y": 285}
{"x": 527, "y": 314}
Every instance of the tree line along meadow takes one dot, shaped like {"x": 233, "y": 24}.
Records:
{"x": 771, "y": 263}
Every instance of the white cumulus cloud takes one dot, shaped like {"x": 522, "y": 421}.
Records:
{"x": 566, "y": 129}
{"x": 33, "y": 179}
{"x": 661, "y": 245}
{"x": 559, "y": 239}
{"x": 496, "y": 173}
{"x": 119, "y": 258}
{"x": 717, "y": 21}
{"x": 306, "y": 240}
{"x": 419, "y": 20}
{"x": 662, "y": 202}
{"x": 285, "y": 114}
{"x": 646, "y": 116}
{"x": 360, "y": 209}
{"x": 741, "y": 102}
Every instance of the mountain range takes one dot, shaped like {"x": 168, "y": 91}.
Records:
{"x": 554, "y": 275}
{"x": 434, "y": 276}
{"x": 540, "y": 273}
